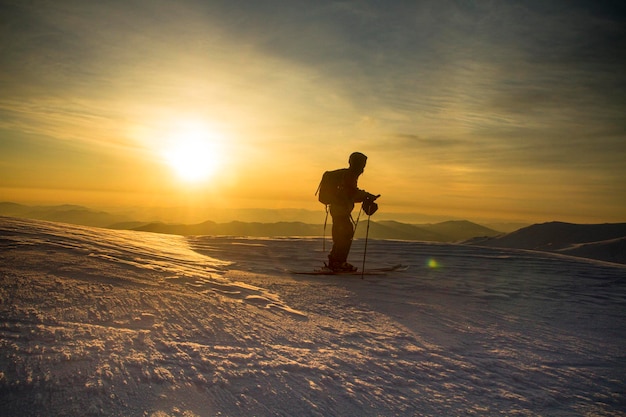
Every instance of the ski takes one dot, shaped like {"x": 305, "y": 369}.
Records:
{"x": 373, "y": 271}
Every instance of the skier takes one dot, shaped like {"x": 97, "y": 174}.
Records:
{"x": 341, "y": 210}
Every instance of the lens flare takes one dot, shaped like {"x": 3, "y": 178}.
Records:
{"x": 433, "y": 264}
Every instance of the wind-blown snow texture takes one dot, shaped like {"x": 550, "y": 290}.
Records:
{"x": 101, "y": 322}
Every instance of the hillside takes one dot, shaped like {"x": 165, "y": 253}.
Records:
{"x": 460, "y": 230}
{"x": 235, "y": 229}
{"x": 66, "y": 213}
{"x": 596, "y": 241}
{"x": 452, "y": 231}
{"x": 449, "y": 231}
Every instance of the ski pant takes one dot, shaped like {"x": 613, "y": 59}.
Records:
{"x": 343, "y": 232}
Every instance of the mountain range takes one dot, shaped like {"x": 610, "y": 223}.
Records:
{"x": 65, "y": 213}
{"x": 130, "y": 217}
{"x": 606, "y": 242}
{"x": 448, "y": 231}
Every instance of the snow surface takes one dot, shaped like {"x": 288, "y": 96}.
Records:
{"x": 102, "y": 322}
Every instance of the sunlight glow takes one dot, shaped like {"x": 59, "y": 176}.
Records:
{"x": 193, "y": 153}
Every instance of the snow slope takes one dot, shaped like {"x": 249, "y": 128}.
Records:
{"x": 605, "y": 242}
{"x": 102, "y": 322}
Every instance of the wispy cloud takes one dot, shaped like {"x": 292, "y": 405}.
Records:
{"x": 466, "y": 95}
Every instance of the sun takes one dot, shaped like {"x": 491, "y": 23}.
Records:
{"x": 192, "y": 153}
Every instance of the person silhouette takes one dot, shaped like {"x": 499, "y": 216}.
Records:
{"x": 341, "y": 213}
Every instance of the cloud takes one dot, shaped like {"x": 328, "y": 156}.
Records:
{"x": 453, "y": 92}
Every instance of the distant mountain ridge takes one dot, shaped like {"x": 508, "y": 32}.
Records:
{"x": 449, "y": 231}
{"x": 235, "y": 228}
{"x": 606, "y": 242}
{"x": 63, "y": 213}
{"x": 129, "y": 217}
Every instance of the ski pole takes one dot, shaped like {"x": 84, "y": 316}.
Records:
{"x": 324, "y": 235}
{"x": 367, "y": 232}
{"x": 356, "y": 223}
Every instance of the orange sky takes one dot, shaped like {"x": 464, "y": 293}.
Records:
{"x": 507, "y": 111}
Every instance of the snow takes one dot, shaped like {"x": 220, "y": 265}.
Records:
{"x": 102, "y": 322}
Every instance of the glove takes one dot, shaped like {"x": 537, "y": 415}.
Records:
{"x": 369, "y": 206}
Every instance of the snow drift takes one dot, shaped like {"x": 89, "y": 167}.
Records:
{"x": 102, "y": 322}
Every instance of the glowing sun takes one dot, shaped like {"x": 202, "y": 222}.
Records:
{"x": 192, "y": 155}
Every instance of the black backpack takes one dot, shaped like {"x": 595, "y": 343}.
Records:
{"x": 331, "y": 186}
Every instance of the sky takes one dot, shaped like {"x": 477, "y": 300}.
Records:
{"x": 512, "y": 110}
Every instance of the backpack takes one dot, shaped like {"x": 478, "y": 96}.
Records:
{"x": 331, "y": 186}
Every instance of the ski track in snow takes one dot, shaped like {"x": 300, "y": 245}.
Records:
{"x": 103, "y": 322}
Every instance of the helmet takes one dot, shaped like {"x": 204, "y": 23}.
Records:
{"x": 357, "y": 161}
